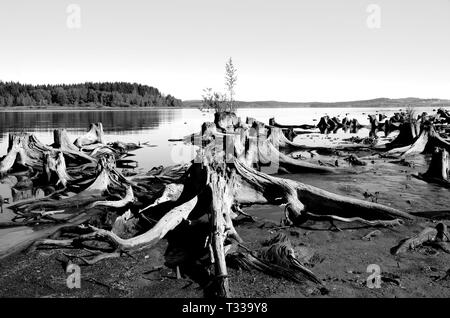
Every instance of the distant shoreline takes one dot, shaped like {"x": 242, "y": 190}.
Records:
{"x": 194, "y": 104}
{"x": 82, "y": 108}
{"x": 143, "y": 109}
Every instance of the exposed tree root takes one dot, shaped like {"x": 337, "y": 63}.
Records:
{"x": 107, "y": 179}
{"x": 332, "y": 218}
{"x": 129, "y": 198}
{"x": 258, "y": 188}
{"x": 96, "y": 258}
{"x": 32, "y": 240}
{"x": 169, "y": 174}
{"x": 172, "y": 192}
{"x": 268, "y": 155}
{"x": 279, "y": 140}
{"x": 168, "y": 222}
{"x": 437, "y": 236}
{"x": 277, "y": 259}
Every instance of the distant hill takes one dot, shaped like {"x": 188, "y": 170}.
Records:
{"x": 122, "y": 94}
{"x": 378, "y": 103}
{"x": 116, "y": 94}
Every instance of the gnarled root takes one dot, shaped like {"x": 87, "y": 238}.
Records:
{"x": 332, "y": 218}
{"x": 268, "y": 154}
{"x": 119, "y": 245}
{"x": 437, "y": 236}
{"x": 170, "y": 174}
{"x": 93, "y": 136}
{"x": 172, "y": 192}
{"x": 277, "y": 259}
{"x": 258, "y": 188}
{"x": 94, "y": 257}
{"x": 107, "y": 179}
{"x": 279, "y": 141}
{"x": 129, "y": 198}
{"x": 165, "y": 224}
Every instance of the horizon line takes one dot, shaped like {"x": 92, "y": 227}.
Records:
{"x": 334, "y": 102}
{"x": 239, "y": 101}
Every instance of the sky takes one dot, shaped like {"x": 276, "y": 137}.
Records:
{"x": 285, "y": 50}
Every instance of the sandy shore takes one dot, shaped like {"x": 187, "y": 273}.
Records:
{"x": 340, "y": 259}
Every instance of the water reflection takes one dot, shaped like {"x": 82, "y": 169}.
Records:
{"x": 121, "y": 122}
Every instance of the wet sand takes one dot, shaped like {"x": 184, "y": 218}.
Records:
{"x": 340, "y": 259}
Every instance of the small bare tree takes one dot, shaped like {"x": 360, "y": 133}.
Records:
{"x": 213, "y": 100}
{"x": 230, "y": 83}
{"x": 411, "y": 114}
{"x": 218, "y": 101}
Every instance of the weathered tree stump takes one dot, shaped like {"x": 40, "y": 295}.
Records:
{"x": 439, "y": 169}
{"x": 93, "y": 136}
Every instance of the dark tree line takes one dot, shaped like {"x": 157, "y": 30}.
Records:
{"x": 105, "y": 94}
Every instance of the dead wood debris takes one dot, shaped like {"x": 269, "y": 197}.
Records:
{"x": 234, "y": 167}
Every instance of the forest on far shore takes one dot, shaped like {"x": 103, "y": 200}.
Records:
{"x": 118, "y": 94}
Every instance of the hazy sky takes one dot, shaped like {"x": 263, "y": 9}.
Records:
{"x": 287, "y": 50}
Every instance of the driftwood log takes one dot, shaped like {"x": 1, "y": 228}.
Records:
{"x": 273, "y": 123}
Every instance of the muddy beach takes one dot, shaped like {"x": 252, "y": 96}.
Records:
{"x": 324, "y": 236}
